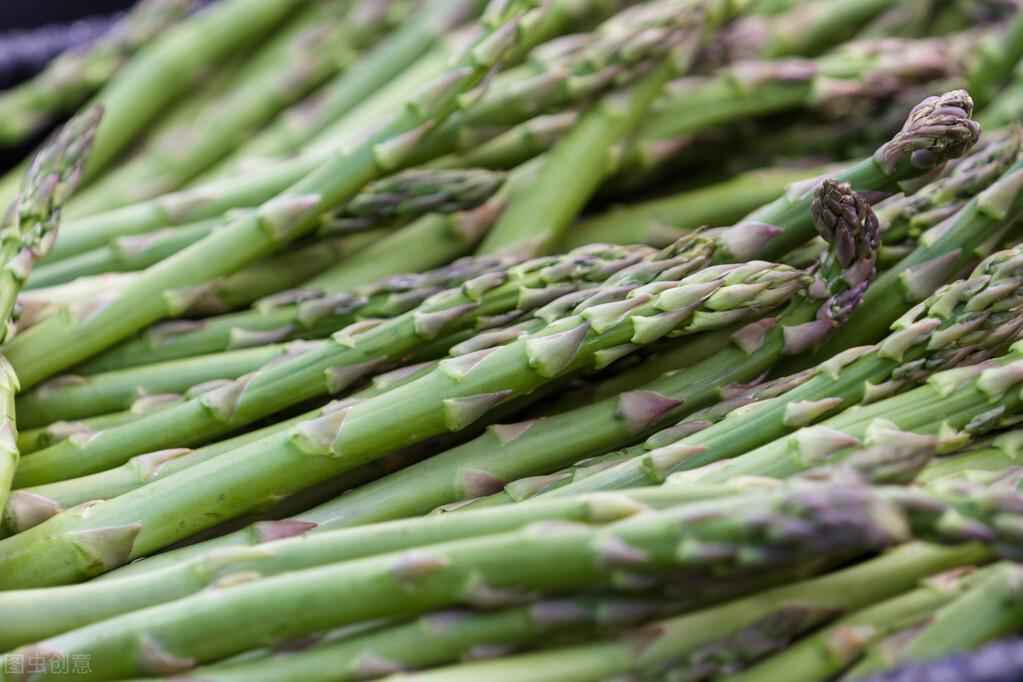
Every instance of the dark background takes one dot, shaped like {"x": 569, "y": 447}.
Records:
{"x": 29, "y": 13}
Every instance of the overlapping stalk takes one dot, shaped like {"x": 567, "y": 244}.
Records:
{"x": 729, "y": 627}
{"x": 859, "y": 72}
{"x": 510, "y": 451}
{"x": 661, "y": 221}
{"x": 987, "y": 611}
{"x": 70, "y": 79}
{"x": 612, "y": 320}
{"x": 592, "y": 70}
{"x": 325, "y": 39}
{"x": 964, "y": 323}
{"x": 943, "y": 251}
{"x": 397, "y": 51}
{"x": 372, "y": 283}
{"x": 30, "y": 226}
{"x": 705, "y": 541}
{"x": 493, "y": 298}
{"x": 71, "y": 397}
{"x": 92, "y": 602}
{"x": 277, "y": 222}
{"x": 389, "y": 202}
{"x": 953, "y": 407}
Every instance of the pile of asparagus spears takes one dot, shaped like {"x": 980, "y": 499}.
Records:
{"x": 516, "y": 340}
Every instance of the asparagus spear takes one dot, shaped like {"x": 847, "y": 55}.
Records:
{"x": 820, "y": 26}
{"x": 320, "y": 44}
{"x": 371, "y": 283}
{"x": 963, "y": 323}
{"x": 396, "y": 52}
{"x": 668, "y": 640}
{"x": 31, "y": 440}
{"x": 857, "y": 72}
{"x": 276, "y": 222}
{"x": 78, "y": 605}
{"x": 31, "y": 223}
{"x": 280, "y": 272}
{"x": 818, "y": 658}
{"x": 212, "y": 200}
{"x": 352, "y": 353}
{"x": 71, "y": 397}
{"x": 444, "y": 637}
{"x": 448, "y": 399}
{"x": 701, "y": 541}
{"x": 944, "y": 250}
{"x": 389, "y": 202}
{"x": 32, "y": 106}
{"x": 472, "y": 469}
{"x": 661, "y": 221}
{"x": 983, "y": 397}
{"x": 990, "y": 610}
{"x": 29, "y": 229}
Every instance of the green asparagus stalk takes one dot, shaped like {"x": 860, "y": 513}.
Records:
{"x": 661, "y": 221}
{"x": 29, "y": 229}
{"x": 859, "y": 72}
{"x": 31, "y": 223}
{"x": 988, "y": 611}
{"x": 371, "y": 283}
{"x": 512, "y": 147}
{"x": 807, "y": 29}
{"x": 31, "y": 440}
{"x": 82, "y": 604}
{"x": 984, "y": 397}
{"x": 963, "y": 323}
{"x": 352, "y": 353}
{"x": 280, "y": 272}
{"x": 389, "y": 202}
{"x": 70, "y": 397}
{"x": 326, "y": 41}
{"x": 167, "y": 67}
{"x": 448, "y": 399}
{"x": 161, "y": 290}
{"x": 669, "y": 640}
{"x": 540, "y": 210}
{"x": 943, "y": 251}
{"x": 444, "y": 637}
{"x": 396, "y": 52}
{"x": 826, "y": 654}
{"x": 69, "y": 80}
{"x": 538, "y": 446}
{"x": 699, "y": 541}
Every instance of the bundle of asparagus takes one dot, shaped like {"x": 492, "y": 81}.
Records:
{"x": 720, "y": 301}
